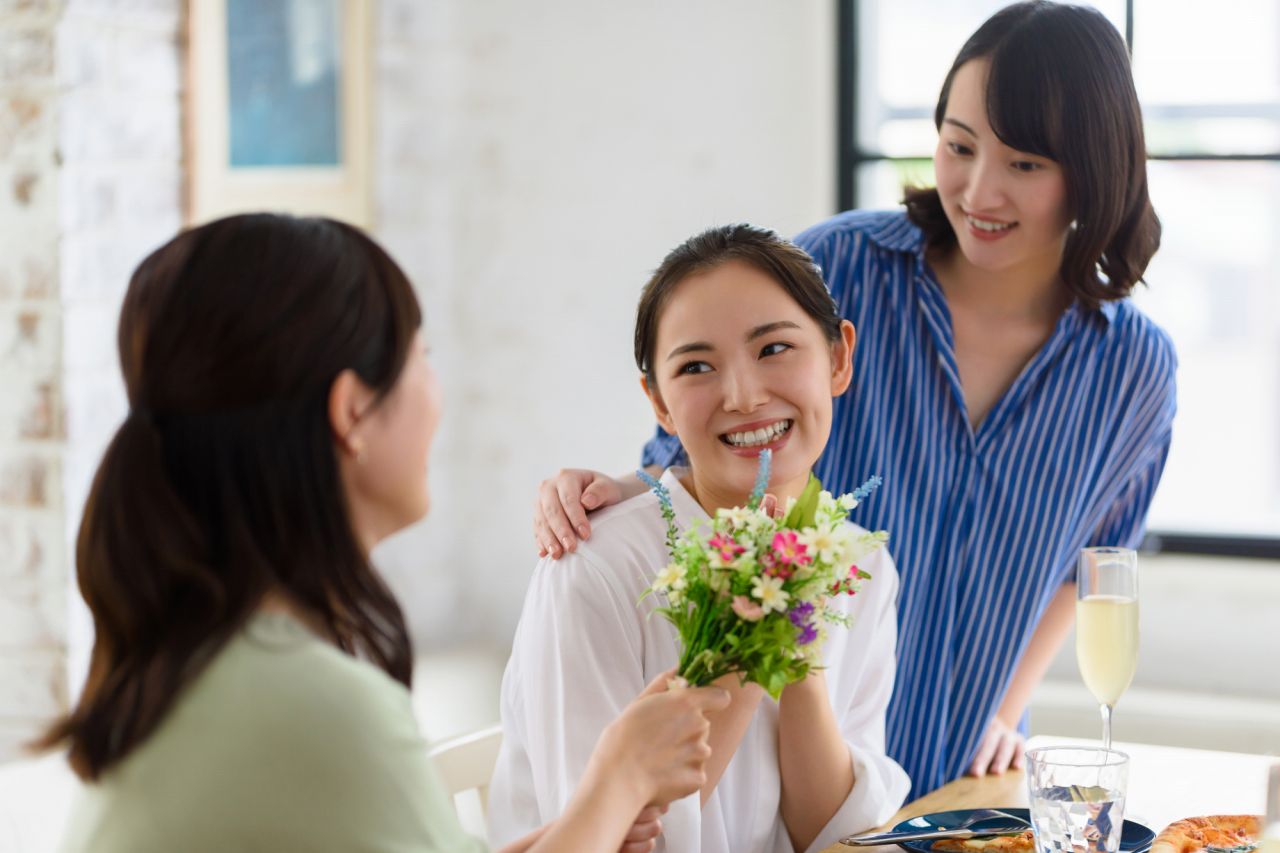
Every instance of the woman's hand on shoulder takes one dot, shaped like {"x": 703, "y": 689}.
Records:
{"x": 660, "y": 739}
{"x": 1002, "y": 746}
{"x": 560, "y": 512}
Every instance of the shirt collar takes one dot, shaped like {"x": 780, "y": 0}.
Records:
{"x": 1105, "y": 312}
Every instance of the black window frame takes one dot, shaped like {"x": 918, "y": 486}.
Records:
{"x": 850, "y": 156}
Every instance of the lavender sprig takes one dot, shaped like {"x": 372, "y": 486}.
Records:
{"x": 762, "y": 479}
{"x": 862, "y": 492}
{"x": 668, "y": 511}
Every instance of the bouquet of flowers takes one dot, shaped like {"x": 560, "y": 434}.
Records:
{"x": 752, "y": 594}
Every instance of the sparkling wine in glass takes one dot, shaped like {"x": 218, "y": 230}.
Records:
{"x": 1271, "y": 826}
{"x": 1107, "y": 625}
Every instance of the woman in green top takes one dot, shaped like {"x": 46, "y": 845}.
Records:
{"x": 247, "y": 688}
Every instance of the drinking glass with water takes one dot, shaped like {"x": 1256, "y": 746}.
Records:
{"x": 1077, "y": 798}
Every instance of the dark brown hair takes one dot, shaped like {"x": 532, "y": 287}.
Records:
{"x": 223, "y": 481}
{"x": 782, "y": 260}
{"x": 1060, "y": 86}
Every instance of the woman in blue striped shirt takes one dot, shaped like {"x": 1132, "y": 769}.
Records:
{"x": 1018, "y": 406}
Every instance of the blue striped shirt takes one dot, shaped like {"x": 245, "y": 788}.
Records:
{"x": 985, "y": 523}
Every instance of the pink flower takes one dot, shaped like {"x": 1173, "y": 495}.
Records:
{"x": 789, "y": 550}
{"x": 726, "y": 548}
{"x": 747, "y": 609}
{"x": 775, "y": 569}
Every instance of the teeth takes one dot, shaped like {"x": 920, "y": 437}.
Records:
{"x": 982, "y": 225}
{"x": 757, "y": 437}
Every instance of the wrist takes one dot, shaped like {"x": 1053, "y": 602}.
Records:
{"x": 611, "y": 785}
{"x": 812, "y": 686}
{"x": 1010, "y": 714}
{"x": 617, "y": 775}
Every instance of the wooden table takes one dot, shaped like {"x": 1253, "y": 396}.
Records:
{"x": 1166, "y": 783}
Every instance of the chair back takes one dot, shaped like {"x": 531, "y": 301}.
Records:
{"x": 466, "y": 762}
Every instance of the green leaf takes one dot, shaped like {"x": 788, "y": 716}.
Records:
{"x": 803, "y": 514}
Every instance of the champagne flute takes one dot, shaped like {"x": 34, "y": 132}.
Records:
{"x": 1107, "y": 625}
{"x": 1271, "y": 827}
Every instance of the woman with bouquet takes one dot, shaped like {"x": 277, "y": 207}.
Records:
{"x": 1017, "y": 404}
{"x": 247, "y": 685}
{"x": 741, "y": 349}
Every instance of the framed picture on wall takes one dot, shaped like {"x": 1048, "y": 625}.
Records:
{"x": 278, "y": 108}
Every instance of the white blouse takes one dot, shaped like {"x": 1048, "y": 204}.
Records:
{"x": 586, "y": 646}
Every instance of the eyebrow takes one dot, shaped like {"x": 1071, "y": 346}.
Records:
{"x": 757, "y": 332}
{"x": 960, "y": 125}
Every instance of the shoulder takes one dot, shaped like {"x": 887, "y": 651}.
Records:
{"x": 861, "y": 249}
{"x": 888, "y": 230}
{"x": 878, "y": 562}
{"x": 286, "y": 730}
{"x": 276, "y": 682}
{"x": 1145, "y": 350}
{"x": 635, "y": 518}
{"x": 1142, "y": 337}
{"x": 627, "y": 546}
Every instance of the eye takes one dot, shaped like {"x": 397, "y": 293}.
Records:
{"x": 690, "y": 368}
{"x": 774, "y": 349}
{"x": 959, "y": 149}
{"x": 1027, "y": 166}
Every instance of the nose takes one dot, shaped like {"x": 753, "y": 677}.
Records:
{"x": 743, "y": 390}
{"x": 984, "y": 190}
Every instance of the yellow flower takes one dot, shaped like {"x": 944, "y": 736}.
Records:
{"x": 823, "y": 542}
{"x": 670, "y": 578}
{"x": 770, "y": 592}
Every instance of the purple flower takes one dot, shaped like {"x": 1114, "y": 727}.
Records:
{"x": 808, "y": 633}
{"x": 800, "y": 613}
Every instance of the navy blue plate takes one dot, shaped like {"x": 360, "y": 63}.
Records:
{"x": 1133, "y": 837}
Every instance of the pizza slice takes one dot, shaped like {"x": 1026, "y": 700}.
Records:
{"x": 1214, "y": 834}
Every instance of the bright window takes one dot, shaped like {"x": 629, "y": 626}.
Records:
{"x": 1210, "y": 91}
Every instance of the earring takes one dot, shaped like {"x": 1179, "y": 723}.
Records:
{"x": 358, "y": 449}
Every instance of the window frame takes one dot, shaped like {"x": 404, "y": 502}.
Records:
{"x": 850, "y": 157}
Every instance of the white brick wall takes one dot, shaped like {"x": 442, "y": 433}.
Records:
{"x": 32, "y": 554}
{"x": 90, "y": 181}
{"x": 120, "y": 72}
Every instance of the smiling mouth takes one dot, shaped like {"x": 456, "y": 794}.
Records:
{"x": 989, "y": 226}
{"x": 758, "y": 437}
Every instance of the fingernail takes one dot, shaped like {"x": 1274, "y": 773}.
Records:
{"x": 589, "y": 501}
{"x": 583, "y": 531}
{"x": 568, "y": 543}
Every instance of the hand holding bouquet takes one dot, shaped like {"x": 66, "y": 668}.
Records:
{"x": 752, "y": 594}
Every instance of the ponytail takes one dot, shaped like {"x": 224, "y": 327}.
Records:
{"x": 134, "y": 519}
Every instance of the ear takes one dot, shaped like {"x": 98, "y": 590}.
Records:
{"x": 660, "y": 410}
{"x": 842, "y": 359}
{"x": 349, "y": 400}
